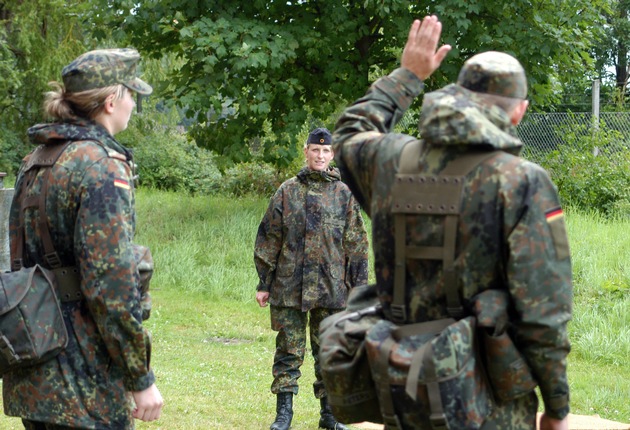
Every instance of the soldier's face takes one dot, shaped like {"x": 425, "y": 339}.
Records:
{"x": 122, "y": 111}
{"x": 318, "y": 157}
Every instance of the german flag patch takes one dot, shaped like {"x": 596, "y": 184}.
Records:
{"x": 554, "y": 214}
{"x": 555, "y": 221}
{"x": 121, "y": 183}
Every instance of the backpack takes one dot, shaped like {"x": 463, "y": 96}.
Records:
{"x": 32, "y": 329}
{"x": 428, "y": 375}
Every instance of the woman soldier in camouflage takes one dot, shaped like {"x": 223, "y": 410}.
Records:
{"x": 102, "y": 380}
{"x": 311, "y": 248}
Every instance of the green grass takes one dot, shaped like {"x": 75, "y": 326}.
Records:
{"x": 213, "y": 347}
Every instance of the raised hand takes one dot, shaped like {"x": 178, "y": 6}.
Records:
{"x": 421, "y": 55}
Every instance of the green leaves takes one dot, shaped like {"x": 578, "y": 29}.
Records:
{"x": 278, "y": 62}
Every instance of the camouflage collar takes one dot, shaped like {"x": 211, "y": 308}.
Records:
{"x": 75, "y": 130}
{"x": 307, "y": 175}
{"x": 453, "y": 115}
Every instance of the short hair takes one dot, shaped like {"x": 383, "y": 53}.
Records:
{"x": 508, "y": 104}
{"x": 494, "y": 73}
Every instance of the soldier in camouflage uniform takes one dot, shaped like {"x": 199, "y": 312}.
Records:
{"x": 511, "y": 233}
{"x": 311, "y": 248}
{"x": 102, "y": 380}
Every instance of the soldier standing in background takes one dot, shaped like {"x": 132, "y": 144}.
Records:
{"x": 102, "y": 379}
{"x": 311, "y": 248}
{"x": 511, "y": 234}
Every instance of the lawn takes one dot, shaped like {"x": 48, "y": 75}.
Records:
{"x": 213, "y": 347}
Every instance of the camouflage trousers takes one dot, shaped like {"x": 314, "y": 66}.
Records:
{"x": 34, "y": 425}
{"x": 519, "y": 414}
{"x": 290, "y": 346}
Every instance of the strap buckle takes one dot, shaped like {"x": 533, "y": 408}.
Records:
{"x": 53, "y": 260}
{"x": 17, "y": 264}
{"x": 399, "y": 313}
{"x": 438, "y": 421}
{"x": 392, "y": 422}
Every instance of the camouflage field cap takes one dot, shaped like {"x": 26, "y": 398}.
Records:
{"x": 320, "y": 136}
{"x": 103, "y": 68}
{"x": 495, "y": 73}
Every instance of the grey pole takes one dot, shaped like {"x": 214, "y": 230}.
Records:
{"x": 6, "y": 195}
{"x": 595, "y": 111}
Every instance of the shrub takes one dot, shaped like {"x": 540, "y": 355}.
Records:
{"x": 13, "y": 150}
{"x": 167, "y": 160}
{"x": 253, "y": 178}
{"x": 171, "y": 162}
{"x": 592, "y": 171}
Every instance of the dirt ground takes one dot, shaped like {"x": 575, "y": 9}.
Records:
{"x": 576, "y": 422}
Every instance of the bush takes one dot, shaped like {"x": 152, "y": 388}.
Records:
{"x": 13, "y": 150}
{"x": 254, "y": 178}
{"x": 171, "y": 162}
{"x": 167, "y": 160}
{"x": 592, "y": 172}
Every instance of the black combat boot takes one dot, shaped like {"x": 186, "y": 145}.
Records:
{"x": 284, "y": 412}
{"x": 327, "y": 420}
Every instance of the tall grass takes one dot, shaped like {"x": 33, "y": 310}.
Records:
{"x": 204, "y": 244}
{"x": 213, "y": 346}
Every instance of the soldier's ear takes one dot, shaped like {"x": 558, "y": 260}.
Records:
{"x": 109, "y": 103}
{"x": 519, "y": 112}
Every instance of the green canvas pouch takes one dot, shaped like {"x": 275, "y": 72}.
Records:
{"x": 429, "y": 375}
{"x": 343, "y": 360}
{"x": 32, "y": 329}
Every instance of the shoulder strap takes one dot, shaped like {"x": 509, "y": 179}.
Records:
{"x": 415, "y": 193}
{"x": 410, "y": 157}
{"x": 68, "y": 280}
{"x": 44, "y": 156}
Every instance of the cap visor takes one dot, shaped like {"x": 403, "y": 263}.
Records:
{"x": 139, "y": 86}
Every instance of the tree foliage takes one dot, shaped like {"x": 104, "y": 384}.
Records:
{"x": 247, "y": 63}
{"x": 613, "y": 53}
{"x": 37, "y": 38}
{"x": 239, "y": 68}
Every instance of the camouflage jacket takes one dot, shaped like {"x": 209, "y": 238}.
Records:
{"x": 511, "y": 233}
{"x": 311, "y": 245}
{"x": 90, "y": 209}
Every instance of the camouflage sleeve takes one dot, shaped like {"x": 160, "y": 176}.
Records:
{"x": 269, "y": 242}
{"x": 110, "y": 284}
{"x": 366, "y": 126}
{"x": 539, "y": 278}
{"x": 356, "y": 247}
{"x": 144, "y": 263}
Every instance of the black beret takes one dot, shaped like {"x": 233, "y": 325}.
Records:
{"x": 320, "y": 136}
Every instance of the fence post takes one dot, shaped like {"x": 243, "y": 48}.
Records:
{"x": 6, "y": 195}
{"x": 595, "y": 107}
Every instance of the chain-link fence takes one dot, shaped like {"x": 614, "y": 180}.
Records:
{"x": 545, "y": 132}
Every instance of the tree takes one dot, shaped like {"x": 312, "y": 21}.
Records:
{"x": 243, "y": 66}
{"x": 612, "y": 54}
{"x": 37, "y": 38}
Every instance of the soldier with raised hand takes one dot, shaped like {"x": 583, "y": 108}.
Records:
{"x": 511, "y": 234}
{"x": 102, "y": 380}
{"x": 311, "y": 249}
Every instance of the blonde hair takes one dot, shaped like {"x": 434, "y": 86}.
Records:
{"x": 60, "y": 104}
